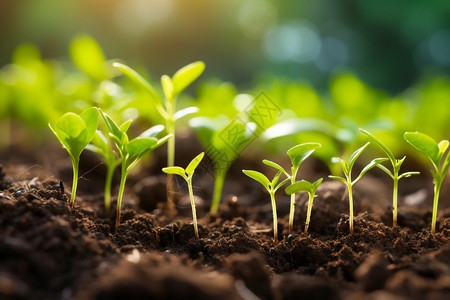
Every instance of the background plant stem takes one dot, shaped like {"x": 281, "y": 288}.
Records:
{"x": 275, "y": 221}
{"x": 218, "y": 185}
{"x": 194, "y": 214}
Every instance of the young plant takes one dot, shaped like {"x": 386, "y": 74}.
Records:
{"x": 131, "y": 151}
{"x": 75, "y": 132}
{"x": 187, "y": 175}
{"x": 271, "y": 187}
{"x": 396, "y": 164}
{"x": 435, "y": 153}
{"x": 102, "y": 146}
{"x": 172, "y": 87}
{"x": 308, "y": 187}
{"x": 347, "y": 169}
{"x": 297, "y": 154}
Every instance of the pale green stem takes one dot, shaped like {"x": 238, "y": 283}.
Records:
{"x": 437, "y": 188}
{"x": 275, "y": 221}
{"x": 292, "y": 210}
{"x": 350, "y": 201}
{"x": 218, "y": 186}
{"x": 308, "y": 216}
{"x": 123, "y": 178}
{"x": 108, "y": 182}
{"x": 194, "y": 214}
{"x": 394, "y": 201}
{"x": 170, "y": 162}
{"x": 75, "y": 164}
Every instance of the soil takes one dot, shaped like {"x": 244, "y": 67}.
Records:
{"x": 50, "y": 251}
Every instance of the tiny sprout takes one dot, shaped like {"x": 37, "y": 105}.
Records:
{"x": 435, "y": 153}
{"x": 130, "y": 152}
{"x": 308, "y": 187}
{"x": 347, "y": 169}
{"x": 187, "y": 175}
{"x": 396, "y": 164}
{"x": 298, "y": 154}
{"x": 271, "y": 187}
{"x": 75, "y": 132}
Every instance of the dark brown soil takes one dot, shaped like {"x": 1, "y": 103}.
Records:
{"x": 50, "y": 251}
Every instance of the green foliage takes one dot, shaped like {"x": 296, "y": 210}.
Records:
{"x": 271, "y": 186}
{"x": 131, "y": 151}
{"x": 347, "y": 169}
{"x": 75, "y": 132}
{"x": 435, "y": 152}
{"x": 187, "y": 175}
{"x": 396, "y": 164}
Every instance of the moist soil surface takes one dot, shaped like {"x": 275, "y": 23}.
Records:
{"x": 49, "y": 250}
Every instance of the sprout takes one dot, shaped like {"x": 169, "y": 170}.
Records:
{"x": 187, "y": 175}
{"x": 271, "y": 187}
{"x": 347, "y": 169}
{"x": 435, "y": 153}
{"x": 130, "y": 152}
{"x": 396, "y": 164}
{"x": 75, "y": 133}
{"x": 297, "y": 154}
{"x": 172, "y": 87}
{"x": 308, "y": 187}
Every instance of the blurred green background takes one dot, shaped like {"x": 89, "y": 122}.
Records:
{"x": 388, "y": 44}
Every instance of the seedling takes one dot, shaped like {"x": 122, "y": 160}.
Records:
{"x": 347, "y": 169}
{"x": 308, "y": 187}
{"x": 271, "y": 187}
{"x": 396, "y": 164}
{"x": 435, "y": 153}
{"x": 75, "y": 132}
{"x": 297, "y": 154}
{"x": 187, "y": 175}
{"x": 102, "y": 146}
{"x": 172, "y": 87}
{"x": 130, "y": 152}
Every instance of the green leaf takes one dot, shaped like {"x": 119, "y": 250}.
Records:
{"x": 386, "y": 170}
{"x": 443, "y": 146}
{"x": 275, "y": 165}
{"x": 382, "y": 146}
{"x": 261, "y": 178}
{"x": 185, "y": 112}
{"x": 371, "y": 165}
{"x": 354, "y": 156}
{"x": 194, "y": 163}
{"x": 186, "y": 75}
{"x": 88, "y": 56}
{"x": 338, "y": 178}
{"x": 204, "y": 128}
{"x": 424, "y": 143}
{"x": 125, "y": 126}
{"x": 301, "y": 152}
{"x": 167, "y": 86}
{"x": 341, "y": 163}
{"x": 112, "y": 126}
{"x": 275, "y": 179}
{"x": 90, "y": 118}
{"x": 152, "y": 131}
{"x": 281, "y": 184}
{"x": 137, "y": 78}
{"x": 299, "y": 186}
{"x": 162, "y": 141}
{"x": 175, "y": 171}
{"x": 408, "y": 174}
{"x": 315, "y": 185}
{"x": 140, "y": 145}
{"x": 70, "y": 125}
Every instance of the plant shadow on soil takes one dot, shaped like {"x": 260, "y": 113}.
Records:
{"x": 50, "y": 251}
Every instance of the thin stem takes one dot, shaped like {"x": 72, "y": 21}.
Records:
{"x": 275, "y": 221}
{"x": 194, "y": 214}
{"x": 75, "y": 164}
{"x": 123, "y": 178}
{"x": 170, "y": 162}
{"x": 292, "y": 210}
{"x": 394, "y": 201}
{"x": 218, "y": 186}
{"x": 108, "y": 182}
{"x": 437, "y": 189}
{"x": 308, "y": 216}
{"x": 350, "y": 201}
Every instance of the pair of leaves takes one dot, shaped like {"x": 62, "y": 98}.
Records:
{"x": 270, "y": 186}
{"x": 429, "y": 147}
{"x": 189, "y": 171}
{"x": 305, "y": 186}
{"x": 76, "y": 132}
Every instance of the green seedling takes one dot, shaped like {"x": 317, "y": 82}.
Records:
{"x": 187, "y": 175}
{"x": 131, "y": 151}
{"x": 172, "y": 87}
{"x": 271, "y": 187}
{"x": 308, "y": 187}
{"x": 347, "y": 169}
{"x": 435, "y": 153}
{"x": 396, "y": 164}
{"x": 75, "y": 132}
{"x": 102, "y": 146}
{"x": 297, "y": 154}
